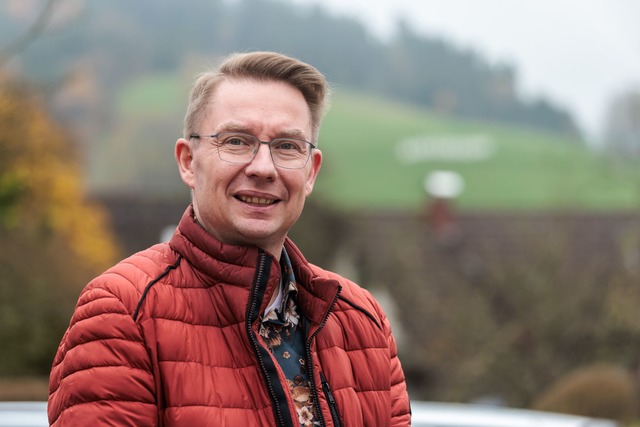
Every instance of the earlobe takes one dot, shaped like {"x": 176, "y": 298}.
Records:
{"x": 184, "y": 156}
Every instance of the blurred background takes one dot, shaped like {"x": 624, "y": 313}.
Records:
{"x": 480, "y": 176}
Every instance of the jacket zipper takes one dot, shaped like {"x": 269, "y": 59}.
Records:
{"x": 254, "y": 300}
{"x": 335, "y": 415}
{"x": 309, "y": 363}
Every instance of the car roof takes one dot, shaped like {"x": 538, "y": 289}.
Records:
{"x": 433, "y": 414}
{"x": 23, "y": 414}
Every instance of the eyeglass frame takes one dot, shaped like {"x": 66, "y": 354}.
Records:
{"x": 255, "y": 153}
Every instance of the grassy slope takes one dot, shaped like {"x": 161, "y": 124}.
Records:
{"x": 137, "y": 155}
{"x": 529, "y": 169}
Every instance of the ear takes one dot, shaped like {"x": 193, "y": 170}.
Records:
{"x": 184, "y": 157}
{"x": 316, "y": 162}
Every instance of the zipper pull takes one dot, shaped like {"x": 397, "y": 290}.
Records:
{"x": 335, "y": 415}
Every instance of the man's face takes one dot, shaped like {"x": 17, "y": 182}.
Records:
{"x": 255, "y": 203}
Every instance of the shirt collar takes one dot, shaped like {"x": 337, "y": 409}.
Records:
{"x": 287, "y": 286}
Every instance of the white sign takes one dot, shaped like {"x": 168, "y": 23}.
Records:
{"x": 446, "y": 148}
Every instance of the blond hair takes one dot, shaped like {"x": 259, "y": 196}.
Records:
{"x": 260, "y": 66}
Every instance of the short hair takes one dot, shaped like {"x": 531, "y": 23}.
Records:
{"x": 260, "y": 66}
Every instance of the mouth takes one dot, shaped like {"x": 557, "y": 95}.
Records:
{"x": 258, "y": 201}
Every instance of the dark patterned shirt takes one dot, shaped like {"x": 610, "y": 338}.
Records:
{"x": 280, "y": 329}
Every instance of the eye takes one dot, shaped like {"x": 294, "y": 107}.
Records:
{"x": 290, "y": 145}
{"x": 235, "y": 139}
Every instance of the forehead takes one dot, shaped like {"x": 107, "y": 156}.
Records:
{"x": 257, "y": 104}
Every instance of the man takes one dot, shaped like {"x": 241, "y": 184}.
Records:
{"x": 228, "y": 324}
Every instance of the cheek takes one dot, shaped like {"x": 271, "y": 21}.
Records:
{"x": 298, "y": 187}
{"x": 209, "y": 174}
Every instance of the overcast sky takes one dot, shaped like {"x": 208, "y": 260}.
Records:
{"x": 579, "y": 53}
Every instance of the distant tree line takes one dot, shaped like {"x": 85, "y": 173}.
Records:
{"x": 131, "y": 38}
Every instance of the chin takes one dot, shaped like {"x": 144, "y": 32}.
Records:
{"x": 260, "y": 233}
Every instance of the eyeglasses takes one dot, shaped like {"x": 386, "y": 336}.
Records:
{"x": 240, "y": 148}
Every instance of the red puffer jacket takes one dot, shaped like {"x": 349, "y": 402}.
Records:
{"x": 168, "y": 337}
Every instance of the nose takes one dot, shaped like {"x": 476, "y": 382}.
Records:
{"x": 262, "y": 162}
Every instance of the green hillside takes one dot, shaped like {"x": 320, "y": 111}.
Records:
{"x": 377, "y": 154}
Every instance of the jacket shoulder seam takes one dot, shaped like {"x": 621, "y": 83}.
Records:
{"x": 362, "y": 310}
{"x": 153, "y": 282}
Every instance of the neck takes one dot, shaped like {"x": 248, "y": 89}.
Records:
{"x": 275, "y": 250}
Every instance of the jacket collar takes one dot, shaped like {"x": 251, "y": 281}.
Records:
{"x": 216, "y": 262}
{"x": 316, "y": 294}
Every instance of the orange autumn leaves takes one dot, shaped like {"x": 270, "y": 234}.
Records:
{"x": 41, "y": 191}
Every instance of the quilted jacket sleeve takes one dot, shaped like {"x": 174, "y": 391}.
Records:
{"x": 102, "y": 372}
{"x": 399, "y": 397}
{"x": 400, "y": 408}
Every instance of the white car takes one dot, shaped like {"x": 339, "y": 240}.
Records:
{"x": 23, "y": 414}
{"x": 431, "y": 414}
{"x": 424, "y": 414}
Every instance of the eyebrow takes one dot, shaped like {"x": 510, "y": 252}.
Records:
{"x": 233, "y": 127}
{"x": 237, "y": 127}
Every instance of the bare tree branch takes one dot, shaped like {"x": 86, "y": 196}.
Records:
{"x": 33, "y": 33}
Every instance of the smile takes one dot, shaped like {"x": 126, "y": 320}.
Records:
{"x": 256, "y": 200}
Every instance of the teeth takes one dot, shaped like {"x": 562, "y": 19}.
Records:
{"x": 256, "y": 200}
